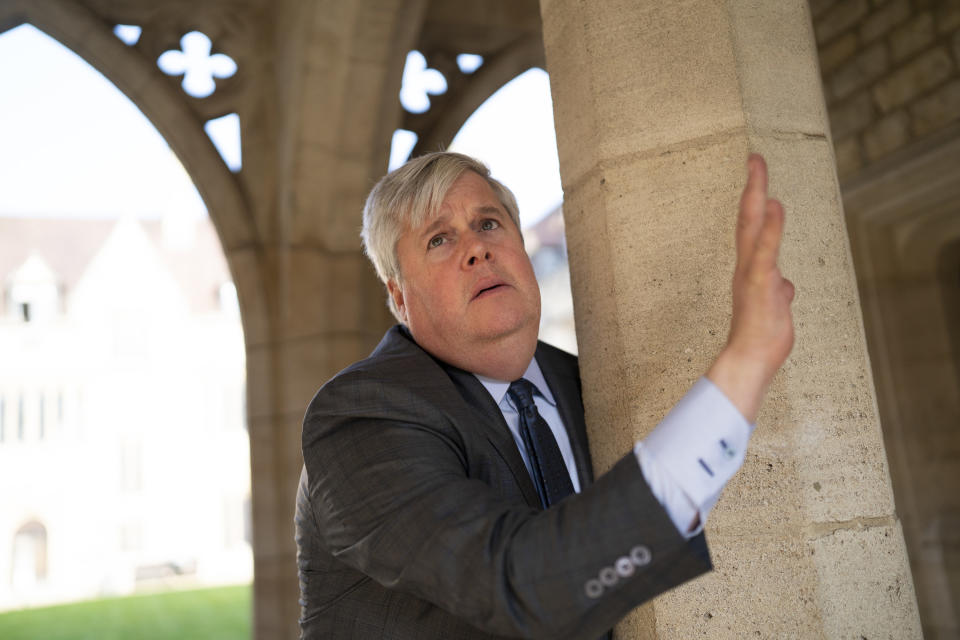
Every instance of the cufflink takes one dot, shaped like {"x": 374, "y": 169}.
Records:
{"x": 728, "y": 450}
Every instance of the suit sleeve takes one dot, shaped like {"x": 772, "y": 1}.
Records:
{"x": 392, "y": 496}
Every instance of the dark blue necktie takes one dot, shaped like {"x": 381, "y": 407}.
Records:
{"x": 549, "y": 470}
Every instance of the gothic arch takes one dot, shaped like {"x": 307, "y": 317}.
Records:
{"x": 92, "y": 39}
{"x": 437, "y": 127}
{"x": 905, "y": 235}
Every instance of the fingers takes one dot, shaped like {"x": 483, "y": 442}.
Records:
{"x": 788, "y": 290}
{"x": 768, "y": 239}
{"x": 752, "y": 202}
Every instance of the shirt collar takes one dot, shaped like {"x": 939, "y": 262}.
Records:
{"x": 498, "y": 388}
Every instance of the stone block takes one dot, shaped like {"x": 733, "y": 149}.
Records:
{"x": 308, "y": 200}
{"x": 919, "y": 75}
{"x": 668, "y": 75}
{"x": 844, "y": 15}
{"x": 651, "y": 253}
{"x": 777, "y": 66}
{"x": 865, "y": 589}
{"x": 273, "y": 533}
{"x": 912, "y": 36}
{"x": 821, "y": 407}
{"x": 937, "y": 110}
{"x": 891, "y": 132}
{"x": 883, "y": 19}
{"x": 351, "y": 185}
{"x": 948, "y": 17}
{"x": 849, "y": 159}
{"x": 260, "y": 400}
{"x": 837, "y": 52}
{"x": 327, "y": 200}
{"x": 851, "y": 115}
{"x": 859, "y": 71}
{"x": 283, "y": 377}
{"x": 322, "y": 103}
{"x": 304, "y": 365}
{"x": 250, "y": 275}
{"x": 762, "y": 586}
{"x": 275, "y": 596}
{"x": 326, "y": 291}
{"x": 363, "y": 94}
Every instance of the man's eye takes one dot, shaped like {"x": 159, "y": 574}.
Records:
{"x": 489, "y": 225}
{"x": 435, "y": 242}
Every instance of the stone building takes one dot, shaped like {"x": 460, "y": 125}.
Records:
{"x": 855, "y": 104}
{"x": 111, "y": 486}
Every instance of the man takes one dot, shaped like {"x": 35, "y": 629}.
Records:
{"x": 443, "y": 497}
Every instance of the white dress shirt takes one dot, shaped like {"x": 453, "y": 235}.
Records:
{"x": 686, "y": 460}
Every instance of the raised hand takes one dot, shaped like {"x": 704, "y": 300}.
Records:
{"x": 761, "y": 330}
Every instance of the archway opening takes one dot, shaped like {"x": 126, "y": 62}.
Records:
{"x": 122, "y": 387}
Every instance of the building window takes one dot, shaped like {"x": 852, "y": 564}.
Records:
{"x": 41, "y": 418}
{"x": 29, "y": 562}
{"x": 33, "y": 293}
{"x": 21, "y": 426}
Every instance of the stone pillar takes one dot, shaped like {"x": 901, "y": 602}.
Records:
{"x": 319, "y": 147}
{"x": 657, "y": 105}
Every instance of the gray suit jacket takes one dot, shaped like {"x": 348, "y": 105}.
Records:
{"x": 416, "y": 517}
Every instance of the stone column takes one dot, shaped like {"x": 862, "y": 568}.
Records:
{"x": 319, "y": 147}
{"x": 657, "y": 105}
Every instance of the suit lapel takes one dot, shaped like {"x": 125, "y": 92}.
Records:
{"x": 564, "y": 384}
{"x": 485, "y": 413}
{"x": 478, "y": 408}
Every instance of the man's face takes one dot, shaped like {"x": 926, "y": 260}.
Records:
{"x": 467, "y": 290}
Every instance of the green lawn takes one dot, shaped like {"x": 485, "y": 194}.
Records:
{"x": 221, "y": 613}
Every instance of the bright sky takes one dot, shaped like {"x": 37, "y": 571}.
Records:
{"x": 71, "y": 144}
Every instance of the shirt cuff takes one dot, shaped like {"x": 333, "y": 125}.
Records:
{"x": 692, "y": 454}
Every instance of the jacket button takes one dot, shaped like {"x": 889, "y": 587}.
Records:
{"x": 640, "y": 555}
{"x": 624, "y": 567}
{"x": 608, "y": 576}
{"x": 593, "y": 588}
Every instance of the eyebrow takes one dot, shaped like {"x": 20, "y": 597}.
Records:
{"x": 439, "y": 221}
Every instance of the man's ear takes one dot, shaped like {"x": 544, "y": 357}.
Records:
{"x": 396, "y": 293}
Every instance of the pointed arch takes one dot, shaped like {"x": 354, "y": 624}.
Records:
{"x": 87, "y": 36}
{"x": 92, "y": 39}
{"x": 436, "y": 128}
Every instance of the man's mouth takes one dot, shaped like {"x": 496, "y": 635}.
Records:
{"x": 487, "y": 288}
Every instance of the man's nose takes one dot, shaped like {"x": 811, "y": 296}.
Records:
{"x": 477, "y": 251}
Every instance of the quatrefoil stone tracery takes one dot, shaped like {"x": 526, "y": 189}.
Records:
{"x": 197, "y": 65}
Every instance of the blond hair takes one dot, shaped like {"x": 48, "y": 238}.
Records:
{"x": 408, "y": 196}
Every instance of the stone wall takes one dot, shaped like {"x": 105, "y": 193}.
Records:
{"x": 891, "y": 73}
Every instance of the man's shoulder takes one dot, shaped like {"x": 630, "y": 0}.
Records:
{"x": 396, "y": 371}
{"x": 397, "y": 359}
{"x": 396, "y": 356}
